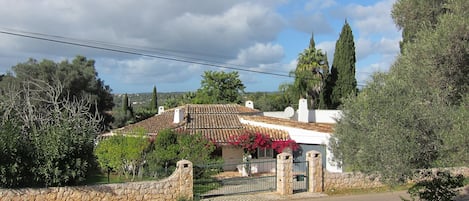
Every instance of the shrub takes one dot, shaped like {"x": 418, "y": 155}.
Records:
{"x": 440, "y": 187}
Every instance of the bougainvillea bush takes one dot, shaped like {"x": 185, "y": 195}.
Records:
{"x": 250, "y": 141}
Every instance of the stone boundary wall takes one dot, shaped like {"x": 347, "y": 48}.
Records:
{"x": 178, "y": 185}
{"x": 351, "y": 180}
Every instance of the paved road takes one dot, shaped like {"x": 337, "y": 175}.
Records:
{"x": 386, "y": 196}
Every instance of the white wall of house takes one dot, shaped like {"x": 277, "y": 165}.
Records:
{"x": 278, "y": 114}
{"x": 316, "y": 116}
{"x": 305, "y": 115}
{"x": 303, "y": 136}
{"x": 324, "y": 116}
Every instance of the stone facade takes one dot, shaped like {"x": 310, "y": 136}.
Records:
{"x": 349, "y": 180}
{"x": 315, "y": 171}
{"x": 285, "y": 174}
{"x": 356, "y": 180}
{"x": 454, "y": 171}
{"x": 322, "y": 180}
{"x": 178, "y": 185}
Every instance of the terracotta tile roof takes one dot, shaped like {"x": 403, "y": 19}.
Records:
{"x": 218, "y": 122}
{"x": 320, "y": 127}
{"x": 220, "y": 109}
{"x": 224, "y": 135}
{"x": 210, "y": 121}
{"x": 275, "y": 134}
{"x": 153, "y": 124}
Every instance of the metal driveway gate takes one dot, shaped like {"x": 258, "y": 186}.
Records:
{"x": 300, "y": 176}
{"x": 213, "y": 180}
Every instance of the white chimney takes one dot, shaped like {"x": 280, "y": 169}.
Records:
{"x": 249, "y": 104}
{"x": 303, "y": 112}
{"x": 178, "y": 116}
{"x": 160, "y": 109}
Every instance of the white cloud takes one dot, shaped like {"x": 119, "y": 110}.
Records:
{"x": 364, "y": 47}
{"x": 363, "y": 75}
{"x": 143, "y": 71}
{"x": 319, "y": 4}
{"x": 202, "y": 27}
{"x": 372, "y": 19}
{"x": 240, "y": 32}
{"x": 259, "y": 53}
{"x": 312, "y": 23}
{"x": 328, "y": 47}
{"x": 206, "y": 30}
{"x": 384, "y": 46}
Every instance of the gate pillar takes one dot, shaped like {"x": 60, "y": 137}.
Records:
{"x": 315, "y": 171}
{"x": 186, "y": 179}
{"x": 285, "y": 174}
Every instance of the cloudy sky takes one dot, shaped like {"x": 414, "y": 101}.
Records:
{"x": 257, "y": 35}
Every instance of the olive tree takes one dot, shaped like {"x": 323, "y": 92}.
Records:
{"x": 48, "y": 137}
{"x": 415, "y": 116}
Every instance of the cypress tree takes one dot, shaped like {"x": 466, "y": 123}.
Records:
{"x": 342, "y": 79}
{"x": 125, "y": 103}
{"x": 154, "y": 100}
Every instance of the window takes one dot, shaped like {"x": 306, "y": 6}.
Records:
{"x": 265, "y": 153}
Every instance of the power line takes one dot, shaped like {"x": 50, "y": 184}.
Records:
{"x": 159, "y": 51}
{"x": 140, "y": 54}
{"x": 112, "y": 47}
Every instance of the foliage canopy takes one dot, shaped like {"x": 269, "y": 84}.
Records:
{"x": 416, "y": 115}
{"x": 342, "y": 82}
{"x": 220, "y": 87}
{"x": 45, "y": 139}
{"x": 78, "y": 78}
{"x": 310, "y": 74}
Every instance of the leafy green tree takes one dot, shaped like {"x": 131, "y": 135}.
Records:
{"x": 310, "y": 72}
{"x": 165, "y": 153}
{"x": 154, "y": 100}
{"x": 414, "y": 16}
{"x": 416, "y": 115}
{"x": 171, "y": 103}
{"x": 124, "y": 154}
{"x": 48, "y": 140}
{"x": 269, "y": 101}
{"x": 109, "y": 154}
{"x": 14, "y": 156}
{"x": 170, "y": 147}
{"x": 78, "y": 78}
{"x": 124, "y": 115}
{"x": 342, "y": 82}
{"x": 195, "y": 148}
{"x": 220, "y": 87}
{"x": 449, "y": 54}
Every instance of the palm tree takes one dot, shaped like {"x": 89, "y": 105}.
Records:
{"x": 310, "y": 72}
